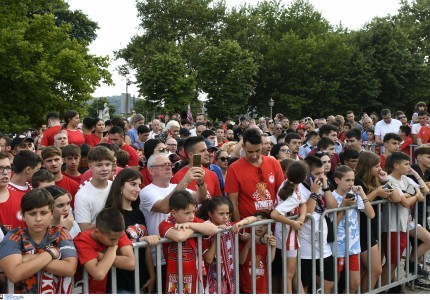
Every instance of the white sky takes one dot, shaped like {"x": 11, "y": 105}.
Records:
{"x": 118, "y": 22}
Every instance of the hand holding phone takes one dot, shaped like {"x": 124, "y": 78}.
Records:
{"x": 387, "y": 186}
{"x": 349, "y": 195}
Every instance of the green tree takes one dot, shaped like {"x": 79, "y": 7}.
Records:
{"x": 43, "y": 67}
{"x": 226, "y": 74}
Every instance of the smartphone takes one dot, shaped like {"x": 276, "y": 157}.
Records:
{"x": 349, "y": 195}
{"x": 105, "y": 133}
{"x": 387, "y": 186}
{"x": 197, "y": 160}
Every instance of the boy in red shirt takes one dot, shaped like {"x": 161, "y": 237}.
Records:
{"x": 179, "y": 226}
{"x": 71, "y": 157}
{"x": 103, "y": 247}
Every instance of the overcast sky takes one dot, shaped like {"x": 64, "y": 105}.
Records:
{"x": 118, "y": 22}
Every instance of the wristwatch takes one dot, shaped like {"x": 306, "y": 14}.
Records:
{"x": 54, "y": 256}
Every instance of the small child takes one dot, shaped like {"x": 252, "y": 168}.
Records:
{"x": 103, "y": 247}
{"x": 219, "y": 210}
{"x": 344, "y": 178}
{"x": 261, "y": 240}
{"x": 39, "y": 248}
{"x": 291, "y": 202}
{"x": 42, "y": 178}
{"x": 398, "y": 166}
{"x": 179, "y": 226}
{"x": 62, "y": 214}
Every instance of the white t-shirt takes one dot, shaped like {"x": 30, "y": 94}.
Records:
{"x": 382, "y": 128}
{"x": 149, "y": 195}
{"x": 416, "y": 128}
{"x": 390, "y": 225}
{"x": 289, "y": 207}
{"x": 89, "y": 201}
{"x": 305, "y": 237}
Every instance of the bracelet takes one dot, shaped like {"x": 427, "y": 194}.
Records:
{"x": 313, "y": 196}
{"x": 326, "y": 189}
{"x": 365, "y": 200}
{"x": 53, "y": 255}
{"x": 248, "y": 221}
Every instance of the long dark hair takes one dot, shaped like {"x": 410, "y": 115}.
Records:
{"x": 68, "y": 115}
{"x": 296, "y": 173}
{"x": 212, "y": 204}
{"x": 114, "y": 198}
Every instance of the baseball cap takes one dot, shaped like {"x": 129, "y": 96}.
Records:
{"x": 19, "y": 139}
{"x": 209, "y": 145}
{"x": 184, "y": 131}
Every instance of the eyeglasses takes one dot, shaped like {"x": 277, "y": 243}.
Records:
{"x": 224, "y": 159}
{"x": 401, "y": 117}
{"x": 161, "y": 150}
{"x": 164, "y": 166}
{"x": 285, "y": 150}
{"x": 171, "y": 145}
{"x": 7, "y": 169}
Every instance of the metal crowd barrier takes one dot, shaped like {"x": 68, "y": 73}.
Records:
{"x": 318, "y": 238}
{"x": 372, "y": 148}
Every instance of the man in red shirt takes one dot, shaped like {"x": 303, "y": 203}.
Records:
{"x": 196, "y": 145}
{"x": 54, "y": 126}
{"x": 116, "y": 136}
{"x": 52, "y": 161}
{"x": 253, "y": 180}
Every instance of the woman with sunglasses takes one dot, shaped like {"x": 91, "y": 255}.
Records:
{"x": 280, "y": 151}
{"x": 221, "y": 158}
{"x": 151, "y": 146}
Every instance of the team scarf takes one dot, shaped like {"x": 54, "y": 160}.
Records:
{"x": 228, "y": 274}
{"x": 42, "y": 282}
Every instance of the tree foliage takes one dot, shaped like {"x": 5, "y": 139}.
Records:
{"x": 243, "y": 56}
{"x": 45, "y": 63}
{"x": 96, "y": 105}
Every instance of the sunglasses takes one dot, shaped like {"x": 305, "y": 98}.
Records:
{"x": 401, "y": 117}
{"x": 161, "y": 150}
{"x": 224, "y": 159}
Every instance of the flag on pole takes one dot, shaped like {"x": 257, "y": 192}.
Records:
{"x": 190, "y": 115}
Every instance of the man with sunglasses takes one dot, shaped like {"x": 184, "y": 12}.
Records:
{"x": 253, "y": 180}
{"x": 116, "y": 136}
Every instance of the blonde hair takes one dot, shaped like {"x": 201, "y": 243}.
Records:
{"x": 228, "y": 147}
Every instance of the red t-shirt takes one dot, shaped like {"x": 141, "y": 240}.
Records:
{"x": 48, "y": 136}
{"x": 382, "y": 160}
{"x": 405, "y": 146}
{"x": 10, "y": 210}
{"x": 147, "y": 179}
{"x": 75, "y": 137}
{"x": 424, "y": 134}
{"x": 75, "y": 178}
{"x": 210, "y": 178}
{"x": 189, "y": 258}
{"x": 133, "y": 161}
{"x": 88, "y": 249}
{"x": 260, "y": 270}
{"x": 92, "y": 139}
{"x": 88, "y": 175}
{"x": 69, "y": 185}
{"x": 244, "y": 178}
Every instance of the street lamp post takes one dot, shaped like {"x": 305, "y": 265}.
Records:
{"x": 271, "y": 104}
{"x": 127, "y": 83}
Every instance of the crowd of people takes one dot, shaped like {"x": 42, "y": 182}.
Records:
{"x": 79, "y": 194}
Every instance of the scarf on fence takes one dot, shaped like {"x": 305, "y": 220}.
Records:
{"x": 228, "y": 274}
{"x": 42, "y": 282}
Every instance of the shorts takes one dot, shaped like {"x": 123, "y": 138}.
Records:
{"x": 306, "y": 270}
{"x": 277, "y": 262}
{"x": 354, "y": 264}
{"x": 393, "y": 246}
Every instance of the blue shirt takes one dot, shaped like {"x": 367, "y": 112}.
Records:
{"x": 218, "y": 172}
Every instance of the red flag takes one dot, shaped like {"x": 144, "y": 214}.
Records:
{"x": 190, "y": 115}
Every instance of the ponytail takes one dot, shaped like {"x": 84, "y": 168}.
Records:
{"x": 286, "y": 190}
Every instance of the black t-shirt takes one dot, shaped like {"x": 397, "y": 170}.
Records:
{"x": 135, "y": 227}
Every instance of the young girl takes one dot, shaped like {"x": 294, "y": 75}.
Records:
{"x": 290, "y": 203}
{"x": 261, "y": 241}
{"x": 62, "y": 214}
{"x": 370, "y": 176}
{"x": 344, "y": 178}
{"x": 124, "y": 196}
{"x": 219, "y": 210}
